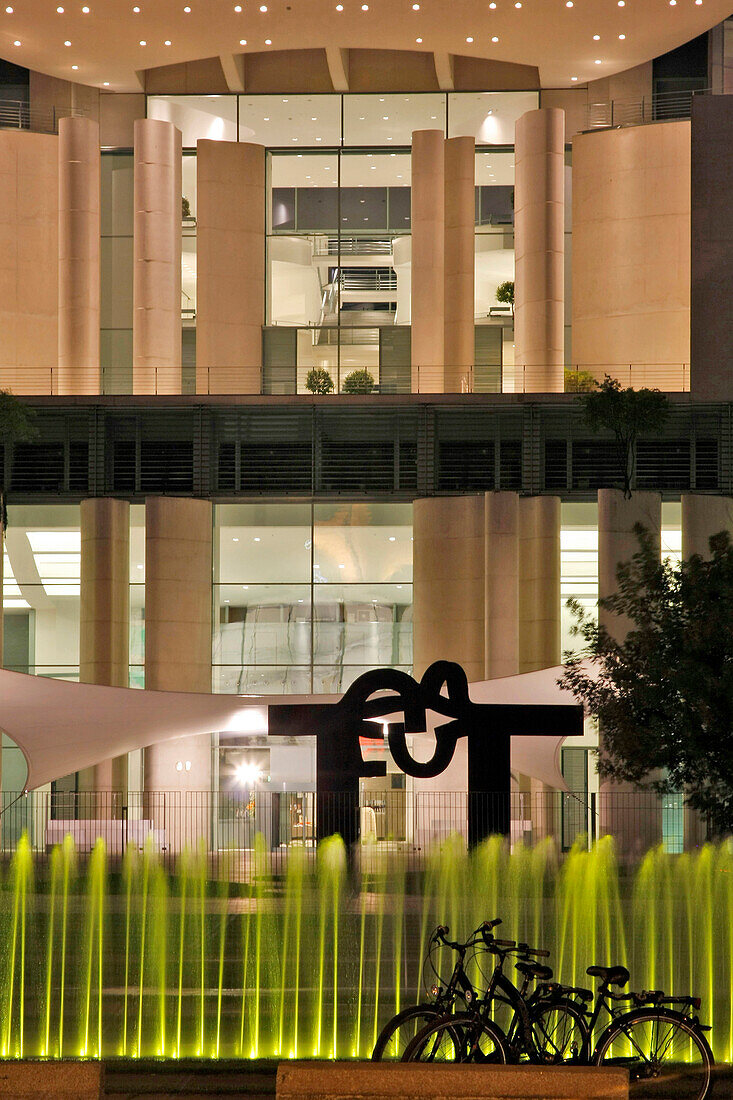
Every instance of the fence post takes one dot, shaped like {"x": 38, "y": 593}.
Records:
{"x": 593, "y": 817}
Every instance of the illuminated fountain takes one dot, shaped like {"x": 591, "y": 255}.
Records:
{"x": 130, "y": 961}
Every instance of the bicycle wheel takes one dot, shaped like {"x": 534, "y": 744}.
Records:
{"x": 399, "y": 1032}
{"x": 664, "y": 1053}
{"x": 560, "y": 1034}
{"x": 459, "y": 1038}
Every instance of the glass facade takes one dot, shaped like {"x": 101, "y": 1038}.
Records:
{"x": 338, "y": 229}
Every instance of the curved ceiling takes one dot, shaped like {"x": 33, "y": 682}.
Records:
{"x": 108, "y": 42}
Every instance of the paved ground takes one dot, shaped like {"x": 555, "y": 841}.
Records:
{"x": 141, "y": 1080}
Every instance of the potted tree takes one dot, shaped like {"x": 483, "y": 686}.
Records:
{"x": 319, "y": 380}
{"x": 359, "y": 381}
{"x": 505, "y": 294}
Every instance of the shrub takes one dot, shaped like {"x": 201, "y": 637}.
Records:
{"x": 319, "y": 380}
{"x": 359, "y": 381}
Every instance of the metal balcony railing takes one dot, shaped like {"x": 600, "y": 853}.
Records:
{"x": 657, "y": 107}
{"x": 17, "y": 114}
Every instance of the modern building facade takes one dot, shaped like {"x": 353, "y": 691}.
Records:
{"x": 292, "y": 424}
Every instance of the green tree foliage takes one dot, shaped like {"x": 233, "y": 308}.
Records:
{"x": 359, "y": 381}
{"x": 319, "y": 380}
{"x": 17, "y": 425}
{"x": 663, "y": 696}
{"x": 505, "y": 293}
{"x": 626, "y": 413}
{"x": 579, "y": 381}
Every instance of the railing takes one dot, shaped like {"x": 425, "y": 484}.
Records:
{"x": 418, "y": 378}
{"x": 352, "y": 245}
{"x": 405, "y": 823}
{"x": 17, "y": 114}
{"x": 368, "y": 278}
{"x": 636, "y": 112}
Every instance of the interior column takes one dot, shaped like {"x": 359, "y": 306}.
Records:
{"x": 104, "y": 625}
{"x": 623, "y": 808}
{"x": 156, "y": 325}
{"x": 79, "y": 244}
{"x": 539, "y": 250}
{"x": 178, "y": 549}
{"x": 460, "y": 217}
{"x": 427, "y": 309}
{"x": 230, "y": 266}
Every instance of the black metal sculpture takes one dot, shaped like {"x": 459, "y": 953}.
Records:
{"x": 488, "y": 727}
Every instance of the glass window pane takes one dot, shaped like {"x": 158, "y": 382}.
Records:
{"x": 355, "y": 543}
{"x": 260, "y": 543}
{"x": 489, "y": 117}
{"x": 391, "y": 119}
{"x": 362, "y": 624}
{"x": 198, "y": 116}
{"x": 287, "y": 121}
{"x": 261, "y": 625}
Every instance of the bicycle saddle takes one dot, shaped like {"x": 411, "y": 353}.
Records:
{"x": 612, "y": 975}
{"x": 534, "y": 970}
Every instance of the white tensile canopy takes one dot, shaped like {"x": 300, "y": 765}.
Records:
{"x": 63, "y": 727}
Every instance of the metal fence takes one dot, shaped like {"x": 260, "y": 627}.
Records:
{"x": 657, "y": 107}
{"x": 241, "y": 829}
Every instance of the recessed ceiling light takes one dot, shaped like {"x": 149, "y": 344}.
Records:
{"x": 469, "y": 40}
{"x": 365, "y": 7}
{"x": 517, "y": 5}
{"x": 622, "y": 3}
{"x": 569, "y": 4}
{"x": 242, "y": 41}
{"x": 698, "y": 2}
{"x": 492, "y": 6}
{"x": 622, "y": 37}
{"x": 313, "y": 118}
{"x": 167, "y": 42}
{"x": 85, "y": 10}
{"x": 494, "y": 39}
{"x": 75, "y": 67}
{"x": 143, "y": 42}
{"x": 416, "y": 7}
{"x": 67, "y": 43}
{"x": 9, "y": 11}
{"x": 573, "y": 78}
{"x": 187, "y": 10}
{"x": 136, "y": 10}
{"x": 418, "y": 40}
{"x": 598, "y": 61}
{"x": 60, "y": 11}
{"x": 385, "y": 118}
{"x": 672, "y": 3}
{"x": 17, "y": 42}
{"x": 268, "y": 41}
{"x": 596, "y": 38}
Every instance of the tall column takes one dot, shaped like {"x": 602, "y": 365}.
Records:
{"x": 539, "y": 622}
{"x": 702, "y": 516}
{"x": 428, "y": 260}
{"x": 539, "y": 250}
{"x": 79, "y": 230}
{"x": 460, "y": 217}
{"x": 623, "y": 809}
{"x": 178, "y": 548}
{"x": 539, "y": 592}
{"x": 230, "y": 271}
{"x": 501, "y": 587}
{"x": 156, "y": 325}
{"x": 448, "y": 583}
{"x": 104, "y": 621}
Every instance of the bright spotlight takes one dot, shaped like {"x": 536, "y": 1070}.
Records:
{"x": 248, "y": 775}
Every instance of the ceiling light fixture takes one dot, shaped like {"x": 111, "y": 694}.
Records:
{"x": 75, "y": 67}
{"x": 167, "y": 42}
{"x": 573, "y": 78}
{"x": 339, "y": 7}
{"x": 596, "y": 38}
{"x": 67, "y": 43}
{"x": 268, "y": 41}
{"x": 494, "y": 39}
{"x": 517, "y": 5}
{"x": 622, "y": 3}
{"x": 143, "y": 42}
{"x": 416, "y": 7}
{"x": 569, "y": 4}
{"x": 598, "y": 61}
{"x": 9, "y": 11}
{"x": 85, "y": 10}
{"x": 365, "y": 7}
{"x": 136, "y": 10}
{"x": 60, "y": 11}
{"x": 106, "y": 84}
{"x": 187, "y": 10}
{"x": 469, "y": 40}
{"x": 622, "y": 37}
{"x": 418, "y": 40}
{"x": 17, "y": 42}
{"x": 242, "y": 41}
{"x": 492, "y": 6}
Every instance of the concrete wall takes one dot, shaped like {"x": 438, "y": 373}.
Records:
{"x": 631, "y": 248}
{"x": 29, "y": 215}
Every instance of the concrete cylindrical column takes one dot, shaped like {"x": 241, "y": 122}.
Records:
{"x": 448, "y": 583}
{"x": 703, "y": 516}
{"x": 104, "y": 619}
{"x": 539, "y": 250}
{"x": 622, "y": 804}
{"x": 230, "y": 266}
{"x": 501, "y": 589}
{"x": 539, "y": 589}
{"x": 460, "y": 218}
{"x": 156, "y": 324}
{"x": 178, "y": 547}
{"x": 428, "y": 260}
{"x": 79, "y": 229}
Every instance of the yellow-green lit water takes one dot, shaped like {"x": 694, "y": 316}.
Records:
{"x": 128, "y": 960}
